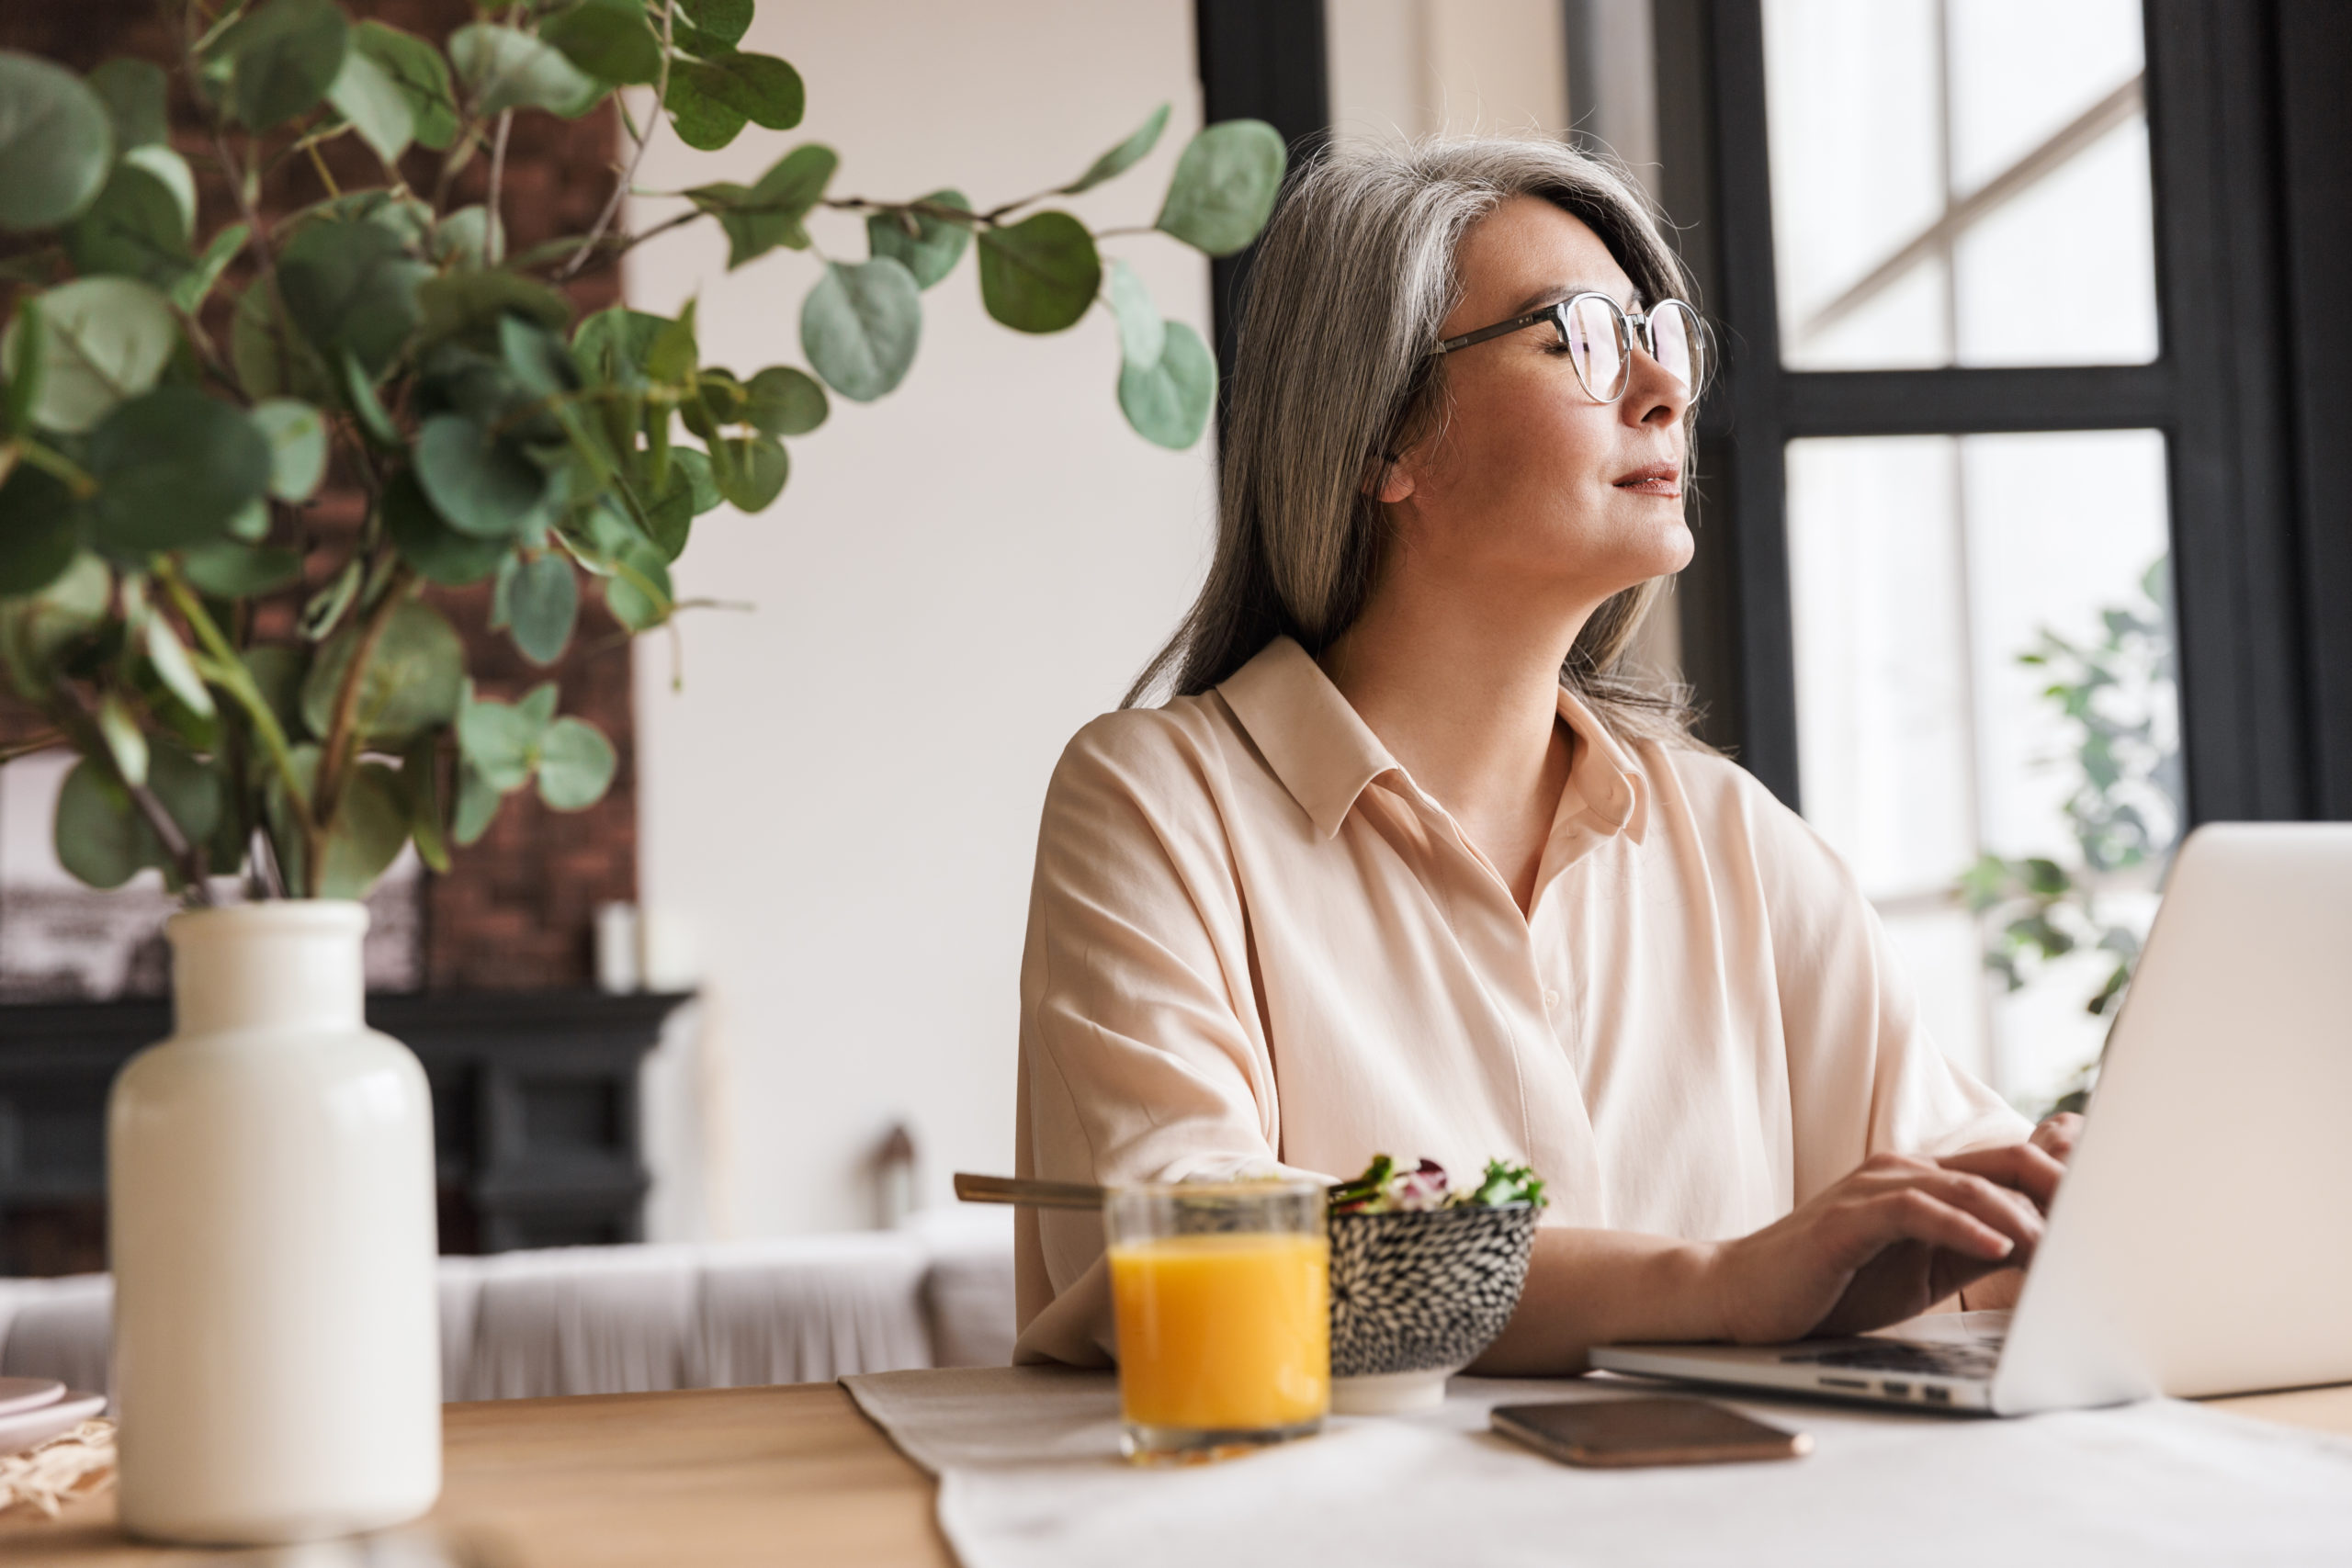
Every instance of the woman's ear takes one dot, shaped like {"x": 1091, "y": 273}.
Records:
{"x": 1387, "y": 479}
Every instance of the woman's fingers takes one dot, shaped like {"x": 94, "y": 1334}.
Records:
{"x": 2057, "y": 1135}
{"x": 2027, "y": 1168}
{"x": 1925, "y": 1202}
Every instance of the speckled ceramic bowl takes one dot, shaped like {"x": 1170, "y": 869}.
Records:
{"x": 1416, "y": 1296}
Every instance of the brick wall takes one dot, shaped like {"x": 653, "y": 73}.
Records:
{"x": 516, "y": 910}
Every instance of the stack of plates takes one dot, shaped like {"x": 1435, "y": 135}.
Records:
{"x": 33, "y": 1410}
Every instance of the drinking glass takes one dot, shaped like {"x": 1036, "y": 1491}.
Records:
{"x": 1222, "y": 1297}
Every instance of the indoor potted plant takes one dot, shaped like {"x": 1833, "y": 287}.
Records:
{"x": 268, "y": 708}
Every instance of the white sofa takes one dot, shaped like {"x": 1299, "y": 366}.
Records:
{"x": 628, "y": 1319}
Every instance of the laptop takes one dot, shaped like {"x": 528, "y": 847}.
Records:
{"x": 2201, "y": 1242}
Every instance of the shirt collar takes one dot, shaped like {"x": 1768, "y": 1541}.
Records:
{"x": 1325, "y": 754}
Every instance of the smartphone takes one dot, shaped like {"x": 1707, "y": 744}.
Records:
{"x": 1665, "y": 1430}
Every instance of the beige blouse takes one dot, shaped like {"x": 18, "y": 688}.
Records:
{"x": 1254, "y": 941}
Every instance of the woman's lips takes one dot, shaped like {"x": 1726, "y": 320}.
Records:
{"x": 1658, "y": 479}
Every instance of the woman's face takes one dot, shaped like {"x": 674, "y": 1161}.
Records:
{"x": 1530, "y": 485}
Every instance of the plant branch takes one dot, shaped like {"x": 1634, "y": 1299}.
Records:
{"x": 47, "y": 740}
{"x": 493, "y": 240}
{"x": 186, "y": 858}
{"x": 57, "y": 466}
{"x": 335, "y": 750}
{"x": 920, "y": 209}
{"x": 229, "y": 673}
{"x": 628, "y": 177}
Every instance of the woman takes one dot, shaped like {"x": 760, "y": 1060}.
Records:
{"x": 1413, "y": 863}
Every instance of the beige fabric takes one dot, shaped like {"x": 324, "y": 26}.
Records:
{"x": 1253, "y": 938}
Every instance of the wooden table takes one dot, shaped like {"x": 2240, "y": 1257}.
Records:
{"x": 713, "y": 1478}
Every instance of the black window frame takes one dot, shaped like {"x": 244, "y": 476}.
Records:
{"x": 2250, "y": 139}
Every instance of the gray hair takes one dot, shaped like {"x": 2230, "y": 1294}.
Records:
{"x": 1352, "y": 279}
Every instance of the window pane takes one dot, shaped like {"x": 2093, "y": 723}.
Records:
{"x": 1987, "y": 714}
{"x": 1959, "y": 182}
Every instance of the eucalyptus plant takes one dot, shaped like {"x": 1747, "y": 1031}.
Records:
{"x": 252, "y": 693}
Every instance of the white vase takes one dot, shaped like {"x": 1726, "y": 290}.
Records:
{"x": 270, "y": 1205}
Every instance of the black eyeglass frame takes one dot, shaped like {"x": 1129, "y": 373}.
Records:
{"x": 1628, "y": 324}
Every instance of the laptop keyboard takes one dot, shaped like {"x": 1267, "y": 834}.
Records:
{"x": 1906, "y": 1356}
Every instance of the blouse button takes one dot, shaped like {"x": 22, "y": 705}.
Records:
{"x": 1551, "y": 1000}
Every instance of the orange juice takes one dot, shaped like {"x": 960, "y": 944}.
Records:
{"x": 1224, "y": 1332}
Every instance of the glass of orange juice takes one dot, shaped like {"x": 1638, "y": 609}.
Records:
{"x": 1221, "y": 1295}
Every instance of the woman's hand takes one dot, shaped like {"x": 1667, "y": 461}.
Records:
{"x": 1891, "y": 1240}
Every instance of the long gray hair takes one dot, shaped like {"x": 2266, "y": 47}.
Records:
{"x": 1353, "y": 278}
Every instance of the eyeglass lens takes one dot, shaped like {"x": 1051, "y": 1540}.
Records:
{"x": 1599, "y": 344}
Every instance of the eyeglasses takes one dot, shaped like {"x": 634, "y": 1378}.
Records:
{"x": 1598, "y": 336}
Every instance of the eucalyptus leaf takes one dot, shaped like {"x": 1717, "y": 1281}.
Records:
{"x": 414, "y": 682}
{"x": 608, "y": 39}
{"x": 542, "y": 603}
{"x": 277, "y": 672}
{"x": 369, "y": 828}
{"x": 479, "y": 484}
{"x": 465, "y": 236}
{"x": 725, "y": 20}
{"x": 505, "y": 68}
{"x": 763, "y": 89}
{"x": 377, "y": 106}
{"x": 1141, "y": 330}
{"x": 536, "y": 357}
{"x": 297, "y": 434}
{"x": 703, "y": 122}
{"x": 860, "y": 326}
{"x": 167, "y": 656}
{"x": 135, "y": 229}
{"x": 669, "y": 516}
{"x": 670, "y": 358}
{"x": 438, "y": 552}
{"x": 638, "y": 592}
{"x": 576, "y": 765}
{"x": 34, "y": 630}
{"x": 935, "y": 245}
{"x": 1122, "y": 157}
{"x": 176, "y": 176}
{"x": 232, "y": 570}
{"x": 416, "y": 68}
{"x": 190, "y": 289}
{"x": 126, "y": 743}
{"x": 21, "y": 350}
{"x": 1039, "y": 275}
{"x": 323, "y": 611}
{"x": 190, "y": 793}
{"x": 1169, "y": 399}
{"x": 768, "y": 213}
{"x": 56, "y": 143}
{"x": 614, "y": 344}
{"x": 271, "y": 359}
{"x": 478, "y": 804}
{"x": 37, "y": 515}
{"x": 468, "y": 306}
{"x": 249, "y": 522}
{"x": 134, "y": 94}
{"x": 420, "y": 783}
{"x": 782, "y": 401}
{"x": 1225, "y": 186}
{"x": 172, "y": 466}
{"x": 96, "y": 828}
{"x": 750, "y": 472}
{"x": 350, "y": 286}
{"x": 284, "y": 55}
{"x": 367, "y": 408}
{"x": 500, "y": 741}
{"x": 103, "y": 339}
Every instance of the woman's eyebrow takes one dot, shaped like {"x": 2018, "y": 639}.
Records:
{"x": 1555, "y": 293}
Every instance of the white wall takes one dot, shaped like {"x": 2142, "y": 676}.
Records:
{"x": 842, "y": 800}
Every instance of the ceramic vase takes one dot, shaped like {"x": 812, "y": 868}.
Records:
{"x": 270, "y": 1205}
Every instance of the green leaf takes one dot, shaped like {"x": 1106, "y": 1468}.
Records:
{"x": 36, "y": 531}
{"x": 608, "y": 40}
{"x": 507, "y": 69}
{"x": 97, "y": 829}
{"x": 297, "y": 434}
{"x": 103, "y": 339}
{"x": 351, "y": 288}
{"x": 500, "y": 741}
{"x": 782, "y": 401}
{"x": 696, "y": 467}
{"x": 750, "y": 472}
{"x": 176, "y": 176}
{"x": 285, "y": 55}
{"x": 1039, "y": 275}
{"x": 542, "y": 602}
{"x": 133, "y": 92}
{"x": 704, "y": 123}
{"x": 135, "y": 229}
{"x": 34, "y": 630}
{"x": 420, "y": 783}
{"x": 638, "y": 592}
{"x": 670, "y": 515}
{"x": 359, "y": 394}
{"x": 613, "y": 344}
{"x": 55, "y": 141}
{"x": 935, "y": 244}
{"x": 277, "y": 672}
{"x": 191, "y": 794}
{"x": 468, "y": 306}
{"x": 415, "y": 681}
{"x": 1141, "y": 330}
{"x": 761, "y": 216}
{"x": 1122, "y": 157}
{"x": 369, "y": 828}
{"x": 1169, "y": 400}
{"x": 232, "y": 571}
{"x": 21, "y": 349}
{"x": 192, "y": 286}
{"x": 378, "y": 106}
{"x": 438, "y": 552}
{"x": 1225, "y": 186}
{"x": 671, "y": 357}
{"x": 576, "y": 765}
{"x": 417, "y": 69}
{"x": 173, "y": 467}
{"x": 124, "y": 741}
{"x": 725, "y": 20}
{"x": 323, "y": 611}
{"x": 464, "y": 238}
{"x": 860, "y": 326}
{"x": 536, "y": 357}
{"x": 479, "y": 484}
{"x": 270, "y": 359}
{"x": 760, "y": 87}
{"x": 478, "y": 804}
{"x": 168, "y": 657}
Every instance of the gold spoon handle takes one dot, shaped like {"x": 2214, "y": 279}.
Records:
{"x": 1034, "y": 1194}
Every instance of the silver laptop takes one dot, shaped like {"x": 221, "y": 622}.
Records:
{"x": 2201, "y": 1242}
